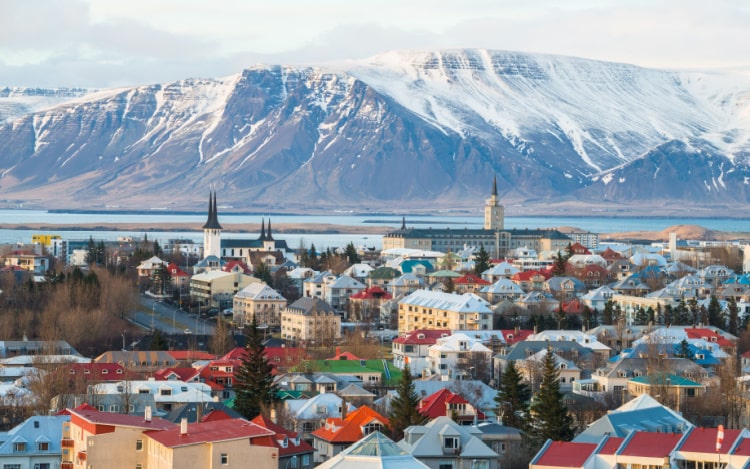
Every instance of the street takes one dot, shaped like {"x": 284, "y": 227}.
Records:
{"x": 170, "y": 319}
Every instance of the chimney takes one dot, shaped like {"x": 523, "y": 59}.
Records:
{"x": 183, "y": 426}
{"x": 148, "y": 414}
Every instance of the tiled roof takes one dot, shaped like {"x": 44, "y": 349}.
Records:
{"x": 205, "y": 432}
{"x": 565, "y": 454}
{"x": 651, "y": 444}
{"x": 349, "y": 429}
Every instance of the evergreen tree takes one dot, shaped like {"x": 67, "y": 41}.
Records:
{"x": 91, "y": 251}
{"x": 404, "y": 407}
{"x": 482, "y": 261}
{"x": 263, "y": 272}
{"x": 640, "y": 317}
{"x": 607, "y": 314}
{"x": 513, "y": 398}
{"x": 549, "y": 415}
{"x": 158, "y": 342}
{"x": 254, "y": 387}
{"x": 715, "y": 316}
{"x": 448, "y": 286}
{"x": 351, "y": 254}
{"x": 734, "y": 311}
{"x": 559, "y": 266}
{"x": 683, "y": 350}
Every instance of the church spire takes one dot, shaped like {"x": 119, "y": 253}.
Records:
{"x": 403, "y": 223}
{"x": 262, "y": 229}
{"x": 494, "y": 186}
{"x": 269, "y": 237}
{"x": 212, "y": 223}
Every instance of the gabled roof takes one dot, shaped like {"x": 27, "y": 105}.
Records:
{"x": 466, "y": 303}
{"x": 294, "y": 445}
{"x": 564, "y": 454}
{"x": 422, "y": 336}
{"x": 434, "y": 405}
{"x": 373, "y": 293}
{"x": 181, "y": 374}
{"x": 91, "y": 415}
{"x": 237, "y": 266}
{"x": 470, "y": 279}
{"x": 650, "y": 444}
{"x": 349, "y": 429}
{"x": 209, "y": 432}
{"x": 703, "y": 440}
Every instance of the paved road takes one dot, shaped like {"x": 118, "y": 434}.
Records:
{"x": 170, "y": 319}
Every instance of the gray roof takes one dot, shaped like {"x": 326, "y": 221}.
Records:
{"x": 426, "y": 440}
{"x": 374, "y": 451}
{"x": 620, "y": 424}
{"x": 311, "y": 306}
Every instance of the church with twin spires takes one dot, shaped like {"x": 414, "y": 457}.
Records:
{"x": 493, "y": 236}
{"x": 262, "y": 248}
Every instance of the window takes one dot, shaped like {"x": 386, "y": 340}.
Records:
{"x": 139, "y": 445}
{"x": 450, "y": 442}
{"x": 11, "y": 466}
{"x": 165, "y": 392}
{"x": 224, "y": 458}
{"x": 445, "y": 465}
{"x": 305, "y": 459}
{"x": 41, "y": 465}
{"x": 19, "y": 447}
{"x": 479, "y": 464}
{"x": 43, "y": 446}
{"x": 139, "y": 466}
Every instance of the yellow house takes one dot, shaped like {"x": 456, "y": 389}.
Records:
{"x": 425, "y": 309}
{"x": 310, "y": 319}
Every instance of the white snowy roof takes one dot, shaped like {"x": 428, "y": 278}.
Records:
{"x": 466, "y": 303}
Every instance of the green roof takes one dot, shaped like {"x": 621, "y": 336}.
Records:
{"x": 357, "y": 366}
{"x": 445, "y": 274}
{"x": 669, "y": 380}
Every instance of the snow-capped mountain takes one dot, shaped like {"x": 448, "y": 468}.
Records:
{"x": 15, "y": 102}
{"x": 403, "y": 130}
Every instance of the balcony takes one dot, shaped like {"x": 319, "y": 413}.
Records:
{"x": 67, "y": 443}
{"x": 82, "y": 455}
{"x": 66, "y": 465}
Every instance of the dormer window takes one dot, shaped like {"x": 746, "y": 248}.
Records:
{"x": 450, "y": 442}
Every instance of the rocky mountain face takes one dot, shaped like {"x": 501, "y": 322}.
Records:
{"x": 401, "y": 131}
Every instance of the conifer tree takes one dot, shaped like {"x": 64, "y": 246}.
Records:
{"x": 734, "y": 313}
{"x": 254, "y": 386}
{"x": 405, "y": 406}
{"x": 607, "y": 314}
{"x": 559, "y": 266}
{"x": 549, "y": 414}
{"x": 715, "y": 316}
{"x": 513, "y": 398}
{"x": 482, "y": 261}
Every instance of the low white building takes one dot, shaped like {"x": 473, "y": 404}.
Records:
{"x": 452, "y": 356}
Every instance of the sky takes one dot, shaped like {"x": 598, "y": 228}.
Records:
{"x": 110, "y": 43}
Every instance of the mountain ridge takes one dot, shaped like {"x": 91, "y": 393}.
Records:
{"x": 420, "y": 129}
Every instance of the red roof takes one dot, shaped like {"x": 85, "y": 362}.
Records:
{"x": 578, "y": 248}
{"x": 175, "y": 271}
{"x": 512, "y": 336}
{"x": 434, "y": 405}
{"x": 611, "y": 446}
{"x": 343, "y": 355}
{"x": 566, "y": 454}
{"x": 188, "y": 355}
{"x": 470, "y": 279}
{"x": 703, "y": 440}
{"x": 701, "y": 332}
{"x": 422, "y": 336}
{"x": 216, "y": 414}
{"x": 91, "y": 415}
{"x": 205, "y": 432}
{"x": 651, "y": 444}
{"x": 237, "y": 266}
{"x": 743, "y": 449}
{"x": 574, "y": 306}
{"x": 746, "y": 354}
{"x": 97, "y": 371}
{"x": 349, "y": 429}
{"x": 373, "y": 293}
{"x": 182, "y": 374}
{"x": 526, "y": 275}
{"x": 292, "y": 446}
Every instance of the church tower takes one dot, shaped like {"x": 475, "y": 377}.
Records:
{"x": 494, "y": 213}
{"x": 212, "y": 229}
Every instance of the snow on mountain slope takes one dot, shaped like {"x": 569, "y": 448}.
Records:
{"x": 15, "y": 102}
{"x": 610, "y": 112}
{"x": 409, "y": 129}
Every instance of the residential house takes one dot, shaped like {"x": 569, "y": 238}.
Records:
{"x": 147, "y": 267}
{"x": 502, "y": 289}
{"x": 338, "y": 290}
{"x": 457, "y": 356}
{"x": 445, "y": 403}
{"x": 530, "y": 280}
{"x": 310, "y": 320}
{"x": 437, "y": 310}
{"x": 223, "y": 443}
{"x": 34, "y": 443}
{"x": 443, "y": 443}
{"x": 499, "y": 271}
{"x": 261, "y": 302}
{"x": 504, "y": 440}
{"x": 294, "y": 452}
{"x": 412, "y": 348}
{"x": 337, "y": 434}
{"x": 28, "y": 261}
{"x": 678, "y": 391}
{"x": 382, "y": 277}
{"x": 166, "y": 394}
{"x": 365, "y": 305}
{"x": 307, "y": 415}
{"x": 469, "y": 283}
{"x": 138, "y": 361}
{"x": 564, "y": 288}
{"x": 406, "y": 284}
{"x": 216, "y": 288}
{"x": 93, "y": 439}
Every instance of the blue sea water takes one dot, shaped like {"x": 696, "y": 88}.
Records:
{"x": 593, "y": 224}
